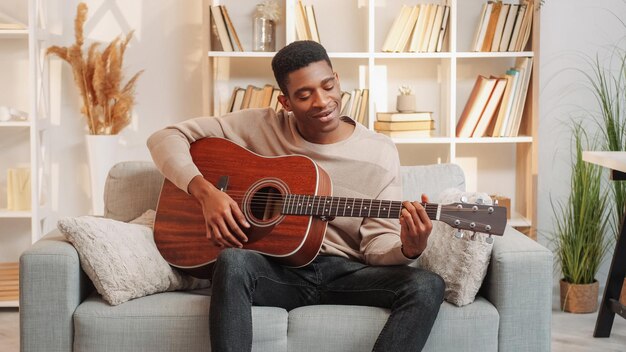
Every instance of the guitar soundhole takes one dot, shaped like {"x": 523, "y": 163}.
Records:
{"x": 266, "y": 204}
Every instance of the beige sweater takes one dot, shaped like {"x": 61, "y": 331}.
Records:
{"x": 365, "y": 165}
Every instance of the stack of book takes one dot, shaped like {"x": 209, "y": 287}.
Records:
{"x": 355, "y": 105}
{"x": 419, "y": 28}
{"x": 405, "y": 124}
{"x": 254, "y": 97}
{"x": 306, "y": 24}
{"x": 496, "y": 104}
{"x": 223, "y": 34}
{"x": 504, "y": 27}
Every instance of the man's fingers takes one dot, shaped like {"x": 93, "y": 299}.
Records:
{"x": 234, "y": 227}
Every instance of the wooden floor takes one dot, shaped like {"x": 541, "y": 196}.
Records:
{"x": 570, "y": 333}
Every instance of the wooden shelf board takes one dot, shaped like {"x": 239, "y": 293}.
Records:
{"x": 15, "y": 124}
{"x": 10, "y": 214}
{"x": 523, "y": 139}
{"x": 14, "y": 33}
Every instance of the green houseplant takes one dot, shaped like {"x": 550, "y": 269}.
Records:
{"x": 579, "y": 234}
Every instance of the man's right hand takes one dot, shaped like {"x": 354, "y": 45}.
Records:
{"x": 222, "y": 215}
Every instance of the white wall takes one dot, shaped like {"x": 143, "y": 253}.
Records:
{"x": 167, "y": 45}
{"x": 571, "y": 31}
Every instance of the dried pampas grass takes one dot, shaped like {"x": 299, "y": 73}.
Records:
{"x": 106, "y": 104}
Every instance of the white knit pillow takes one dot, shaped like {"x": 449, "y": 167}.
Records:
{"x": 121, "y": 258}
{"x": 462, "y": 263}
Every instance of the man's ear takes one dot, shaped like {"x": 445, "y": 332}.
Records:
{"x": 284, "y": 101}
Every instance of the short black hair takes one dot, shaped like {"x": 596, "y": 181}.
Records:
{"x": 295, "y": 56}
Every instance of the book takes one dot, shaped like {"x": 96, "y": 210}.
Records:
{"x": 404, "y": 126}
{"x": 525, "y": 64}
{"x": 482, "y": 26}
{"x": 420, "y": 28}
{"x": 345, "y": 102}
{"x": 237, "y": 99}
{"x": 516, "y": 28}
{"x": 355, "y": 103}
{"x": 394, "y": 32}
{"x": 407, "y": 30}
{"x": 431, "y": 10}
{"x": 491, "y": 26}
{"x": 434, "y": 34}
{"x": 363, "y": 108}
{"x": 407, "y": 134}
{"x": 497, "y": 36}
{"x": 232, "y": 33}
{"x": 475, "y": 106}
{"x": 526, "y": 28}
{"x": 508, "y": 28}
{"x": 302, "y": 27}
{"x": 444, "y": 28}
{"x": 491, "y": 108}
{"x": 312, "y": 23}
{"x": 404, "y": 116}
{"x": 222, "y": 31}
{"x": 266, "y": 96}
{"x": 274, "y": 103}
{"x": 506, "y": 104}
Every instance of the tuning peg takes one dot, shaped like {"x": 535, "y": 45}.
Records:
{"x": 463, "y": 199}
{"x": 489, "y": 240}
{"x": 458, "y": 234}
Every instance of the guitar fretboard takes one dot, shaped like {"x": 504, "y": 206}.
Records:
{"x": 296, "y": 204}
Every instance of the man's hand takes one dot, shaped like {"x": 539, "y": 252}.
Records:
{"x": 222, "y": 215}
{"x": 415, "y": 227}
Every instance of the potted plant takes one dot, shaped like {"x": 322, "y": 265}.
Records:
{"x": 106, "y": 102}
{"x": 405, "y": 101}
{"x": 579, "y": 234}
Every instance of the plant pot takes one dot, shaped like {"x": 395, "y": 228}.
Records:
{"x": 577, "y": 298}
{"x": 405, "y": 103}
{"x": 102, "y": 155}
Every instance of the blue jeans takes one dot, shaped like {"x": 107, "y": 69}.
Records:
{"x": 243, "y": 278}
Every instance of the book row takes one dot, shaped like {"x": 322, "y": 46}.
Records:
{"x": 223, "y": 34}
{"x": 354, "y": 103}
{"x": 496, "y": 104}
{"x": 419, "y": 28}
{"x": 306, "y": 24}
{"x": 503, "y": 27}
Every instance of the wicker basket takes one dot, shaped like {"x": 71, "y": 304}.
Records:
{"x": 579, "y": 298}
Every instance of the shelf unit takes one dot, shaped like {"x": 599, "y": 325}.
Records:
{"x": 353, "y": 33}
{"x": 24, "y": 142}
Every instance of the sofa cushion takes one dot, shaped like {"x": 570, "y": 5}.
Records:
{"x": 461, "y": 262}
{"x": 121, "y": 259}
{"x": 131, "y": 188}
{"x": 430, "y": 180}
{"x": 171, "y": 321}
{"x": 179, "y": 321}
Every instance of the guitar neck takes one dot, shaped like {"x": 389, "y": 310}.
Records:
{"x": 296, "y": 204}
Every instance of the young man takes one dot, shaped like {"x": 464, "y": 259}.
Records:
{"x": 361, "y": 262}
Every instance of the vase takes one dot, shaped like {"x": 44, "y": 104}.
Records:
{"x": 579, "y": 298}
{"x": 263, "y": 31}
{"x": 405, "y": 103}
{"x": 102, "y": 155}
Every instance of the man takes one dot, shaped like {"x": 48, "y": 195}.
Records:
{"x": 361, "y": 262}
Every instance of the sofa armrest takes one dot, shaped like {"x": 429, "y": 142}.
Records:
{"x": 52, "y": 285}
{"x": 519, "y": 285}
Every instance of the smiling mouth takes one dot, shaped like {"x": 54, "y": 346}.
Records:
{"x": 324, "y": 114}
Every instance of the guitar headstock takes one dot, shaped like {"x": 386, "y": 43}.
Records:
{"x": 488, "y": 219}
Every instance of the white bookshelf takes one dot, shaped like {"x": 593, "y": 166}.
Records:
{"x": 353, "y": 32}
{"x": 24, "y": 141}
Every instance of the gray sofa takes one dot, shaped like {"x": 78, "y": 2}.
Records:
{"x": 60, "y": 310}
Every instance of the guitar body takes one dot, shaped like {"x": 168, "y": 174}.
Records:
{"x": 258, "y": 184}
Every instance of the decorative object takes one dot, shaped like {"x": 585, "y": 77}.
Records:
{"x": 106, "y": 104}
{"x": 101, "y": 155}
{"x": 18, "y": 189}
{"x": 461, "y": 262}
{"x": 406, "y": 100}
{"x": 580, "y": 224}
{"x": 264, "y": 26}
{"x": 577, "y": 298}
{"x": 5, "y": 113}
{"x": 121, "y": 258}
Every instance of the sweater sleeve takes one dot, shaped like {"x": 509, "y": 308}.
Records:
{"x": 380, "y": 238}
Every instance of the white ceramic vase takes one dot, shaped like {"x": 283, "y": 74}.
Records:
{"x": 102, "y": 155}
{"x": 405, "y": 103}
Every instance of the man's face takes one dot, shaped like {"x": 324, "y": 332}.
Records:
{"x": 314, "y": 96}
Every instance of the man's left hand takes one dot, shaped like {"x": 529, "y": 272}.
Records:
{"x": 415, "y": 228}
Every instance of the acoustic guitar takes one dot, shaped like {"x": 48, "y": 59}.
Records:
{"x": 288, "y": 202}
